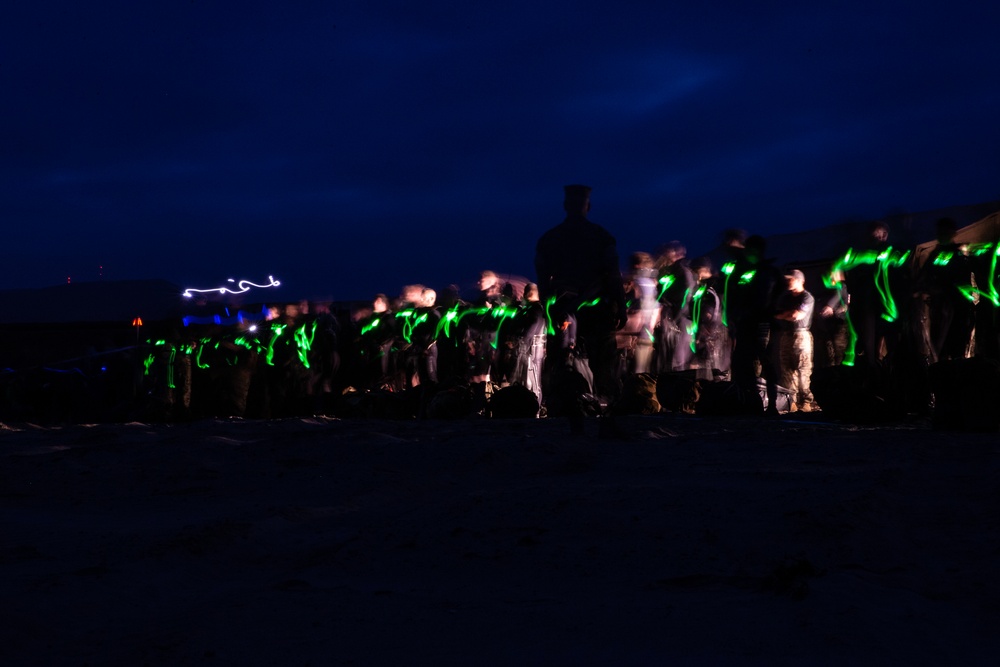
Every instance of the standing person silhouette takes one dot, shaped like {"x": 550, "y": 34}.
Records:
{"x": 580, "y": 281}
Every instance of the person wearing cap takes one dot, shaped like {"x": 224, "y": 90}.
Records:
{"x": 793, "y": 318}
{"x": 580, "y": 283}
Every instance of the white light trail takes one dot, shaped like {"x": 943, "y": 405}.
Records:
{"x": 241, "y": 287}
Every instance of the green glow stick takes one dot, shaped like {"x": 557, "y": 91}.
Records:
{"x": 727, "y": 270}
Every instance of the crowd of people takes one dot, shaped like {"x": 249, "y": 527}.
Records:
{"x": 588, "y": 325}
{"x": 573, "y": 340}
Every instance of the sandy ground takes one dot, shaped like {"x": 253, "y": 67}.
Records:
{"x": 478, "y": 542}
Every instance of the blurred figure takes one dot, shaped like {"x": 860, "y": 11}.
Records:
{"x": 676, "y": 287}
{"x": 490, "y": 291}
{"x": 422, "y": 349}
{"x": 950, "y": 315}
{"x": 376, "y": 333}
{"x": 644, "y": 310}
{"x": 480, "y": 328}
{"x": 711, "y": 342}
{"x": 452, "y": 357}
{"x": 530, "y": 326}
{"x": 831, "y": 335}
{"x": 793, "y": 319}
{"x": 406, "y": 316}
{"x": 751, "y": 286}
{"x": 874, "y": 277}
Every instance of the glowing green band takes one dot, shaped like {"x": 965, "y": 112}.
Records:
{"x": 548, "y": 316}
{"x": 666, "y": 281}
{"x": 727, "y": 270}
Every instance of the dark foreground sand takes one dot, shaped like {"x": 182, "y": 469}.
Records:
{"x": 498, "y": 542}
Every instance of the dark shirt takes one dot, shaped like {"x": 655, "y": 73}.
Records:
{"x": 791, "y": 301}
{"x": 578, "y": 259}
{"x": 677, "y": 285}
{"x": 945, "y": 273}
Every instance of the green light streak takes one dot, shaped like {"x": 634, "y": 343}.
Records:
{"x": 666, "y": 282}
{"x": 747, "y": 277}
{"x": 444, "y": 325}
{"x": 502, "y": 313}
{"x": 695, "y": 315}
{"x": 589, "y": 304}
{"x": 368, "y": 327}
{"x": 548, "y": 316}
{"x": 201, "y": 348}
{"x": 304, "y": 341}
{"x": 276, "y": 331}
{"x": 727, "y": 270}
{"x": 970, "y": 292}
{"x": 885, "y": 260}
{"x": 170, "y": 368}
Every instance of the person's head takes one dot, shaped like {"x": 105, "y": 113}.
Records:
{"x": 671, "y": 253}
{"x": 380, "y": 303}
{"x": 576, "y": 199}
{"x": 878, "y": 231}
{"x": 734, "y": 238}
{"x": 531, "y": 292}
{"x": 755, "y": 248}
{"x": 428, "y": 298}
{"x": 640, "y": 260}
{"x": 796, "y": 280}
{"x": 488, "y": 282}
{"x": 450, "y": 296}
{"x": 946, "y": 230}
{"x": 702, "y": 268}
{"x": 411, "y": 294}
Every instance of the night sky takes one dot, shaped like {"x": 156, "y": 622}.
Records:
{"x": 350, "y": 147}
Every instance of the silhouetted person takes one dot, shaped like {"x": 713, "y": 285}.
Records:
{"x": 752, "y": 289}
{"x": 452, "y": 354}
{"x": 577, "y": 267}
{"x": 873, "y": 276}
{"x": 376, "y": 333}
{"x": 950, "y": 313}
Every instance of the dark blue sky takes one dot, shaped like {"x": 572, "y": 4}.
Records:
{"x": 351, "y": 147}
